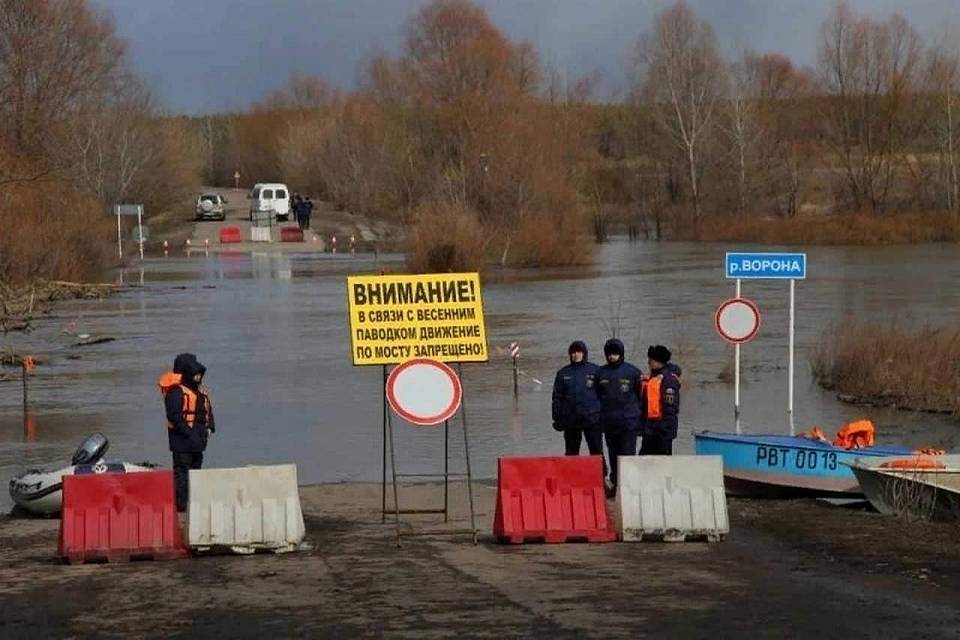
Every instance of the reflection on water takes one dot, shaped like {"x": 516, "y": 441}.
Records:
{"x": 272, "y": 330}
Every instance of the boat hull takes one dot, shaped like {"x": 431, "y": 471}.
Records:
{"x": 786, "y": 467}
{"x": 40, "y": 492}
{"x": 920, "y": 493}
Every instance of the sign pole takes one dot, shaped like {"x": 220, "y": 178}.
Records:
{"x": 140, "y": 231}
{"x": 119, "y": 239}
{"x": 768, "y": 266}
{"x": 736, "y": 376}
{"x": 466, "y": 451}
{"x": 790, "y": 365}
{"x": 26, "y": 392}
{"x": 393, "y": 468}
{"x": 446, "y": 471}
{"x": 383, "y": 491}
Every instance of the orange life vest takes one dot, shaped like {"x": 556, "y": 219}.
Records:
{"x": 914, "y": 463}
{"x": 855, "y": 435}
{"x": 816, "y": 433}
{"x": 171, "y": 380}
{"x": 654, "y": 404}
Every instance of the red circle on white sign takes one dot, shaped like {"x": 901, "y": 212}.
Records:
{"x": 737, "y": 320}
{"x": 424, "y": 392}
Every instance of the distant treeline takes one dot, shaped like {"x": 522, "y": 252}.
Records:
{"x": 488, "y": 155}
{"x": 468, "y": 131}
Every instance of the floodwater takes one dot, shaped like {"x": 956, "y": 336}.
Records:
{"x": 272, "y": 330}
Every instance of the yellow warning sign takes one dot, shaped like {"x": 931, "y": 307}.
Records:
{"x": 396, "y": 318}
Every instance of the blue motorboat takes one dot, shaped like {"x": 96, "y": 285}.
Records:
{"x": 787, "y": 466}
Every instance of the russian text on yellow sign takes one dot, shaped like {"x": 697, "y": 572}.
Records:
{"x": 396, "y": 318}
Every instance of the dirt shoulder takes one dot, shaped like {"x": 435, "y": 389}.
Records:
{"x": 788, "y": 569}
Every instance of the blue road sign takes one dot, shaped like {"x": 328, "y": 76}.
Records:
{"x": 777, "y": 266}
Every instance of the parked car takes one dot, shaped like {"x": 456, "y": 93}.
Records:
{"x": 211, "y": 206}
{"x": 270, "y": 196}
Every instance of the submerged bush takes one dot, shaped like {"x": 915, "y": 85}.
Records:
{"x": 884, "y": 364}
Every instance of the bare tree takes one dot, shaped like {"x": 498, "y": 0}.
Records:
{"x": 869, "y": 70}
{"x": 942, "y": 78}
{"x": 113, "y": 142}
{"x": 788, "y": 148}
{"x": 54, "y": 55}
{"x": 742, "y": 123}
{"x": 681, "y": 76}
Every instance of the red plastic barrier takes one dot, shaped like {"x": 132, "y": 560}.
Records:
{"x": 119, "y": 516}
{"x": 230, "y": 235}
{"x": 553, "y": 499}
{"x": 291, "y": 234}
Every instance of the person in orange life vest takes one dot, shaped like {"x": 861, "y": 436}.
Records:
{"x": 660, "y": 404}
{"x": 190, "y": 420}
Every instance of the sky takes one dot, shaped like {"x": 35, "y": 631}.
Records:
{"x": 202, "y": 56}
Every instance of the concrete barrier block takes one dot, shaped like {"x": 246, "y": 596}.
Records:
{"x": 672, "y": 498}
{"x": 260, "y": 234}
{"x": 245, "y": 509}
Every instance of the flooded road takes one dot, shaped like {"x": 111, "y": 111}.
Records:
{"x": 272, "y": 330}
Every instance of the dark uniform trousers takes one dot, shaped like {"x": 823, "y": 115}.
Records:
{"x": 572, "y": 438}
{"x": 182, "y": 463}
{"x": 619, "y": 443}
{"x": 655, "y": 444}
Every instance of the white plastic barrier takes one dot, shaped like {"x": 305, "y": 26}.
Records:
{"x": 260, "y": 234}
{"x": 245, "y": 509}
{"x": 672, "y": 498}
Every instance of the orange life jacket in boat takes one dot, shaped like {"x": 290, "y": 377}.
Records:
{"x": 913, "y": 463}
{"x": 856, "y": 435}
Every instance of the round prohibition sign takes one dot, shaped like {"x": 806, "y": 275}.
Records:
{"x": 737, "y": 320}
{"x": 424, "y": 392}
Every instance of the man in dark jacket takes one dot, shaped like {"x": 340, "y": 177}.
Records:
{"x": 306, "y": 211}
{"x": 661, "y": 403}
{"x": 576, "y": 407}
{"x": 619, "y": 387}
{"x": 190, "y": 420}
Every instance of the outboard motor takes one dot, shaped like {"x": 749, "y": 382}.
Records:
{"x": 91, "y": 450}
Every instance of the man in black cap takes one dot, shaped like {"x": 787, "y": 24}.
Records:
{"x": 661, "y": 403}
{"x": 189, "y": 419}
{"x": 576, "y": 407}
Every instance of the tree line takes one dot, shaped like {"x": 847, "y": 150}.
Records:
{"x": 79, "y": 132}
{"x": 486, "y": 154}
{"x": 467, "y": 129}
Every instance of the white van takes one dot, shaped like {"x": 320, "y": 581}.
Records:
{"x": 270, "y": 195}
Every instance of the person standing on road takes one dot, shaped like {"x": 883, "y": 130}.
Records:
{"x": 576, "y": 406}
{"x": 307, "y": 209}
{"x": 297, "y": 207}
{"x": 619, "y": 388}
{"x": 190, "y": 420}
{"x": 661, "y": 403}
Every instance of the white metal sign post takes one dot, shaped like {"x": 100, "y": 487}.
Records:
{"x": 427, "y": 392}
{"x": 737, "y": 321}
{"x": 129, "y": 210}
{"x": 768, "y": 266}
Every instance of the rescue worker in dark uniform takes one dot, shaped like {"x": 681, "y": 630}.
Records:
{"x": 619, "y": 387}
{"x": 661, "y": 403}
{"x": 190, "y": 420}
{"x": 576, "y": 407}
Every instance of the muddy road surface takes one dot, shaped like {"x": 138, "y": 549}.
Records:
{"x": 787, "y": 570}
